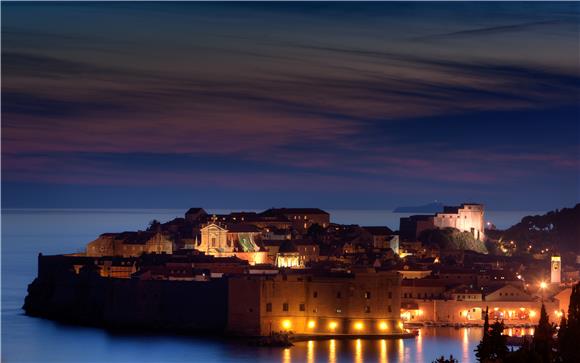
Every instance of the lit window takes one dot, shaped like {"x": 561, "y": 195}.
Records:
{"x": 367, "y": 295}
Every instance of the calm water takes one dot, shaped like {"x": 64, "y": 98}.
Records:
{"x": 25, "y": 339}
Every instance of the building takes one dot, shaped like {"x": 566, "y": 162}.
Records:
{"x": 316, "y": 303}
{"x": 288, "y": 256}
{"x": 301, "y": 218}
{"x": 195, "y": 215}
{"x": 556, "y": 270}
{"x": 214, "y": 240}
{"x": 130, "y": 244}
{"x": 381, "y": 237}
{"x": 468, "y": 217}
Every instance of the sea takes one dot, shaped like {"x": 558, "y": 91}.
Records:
{"x": 27, "y": 232}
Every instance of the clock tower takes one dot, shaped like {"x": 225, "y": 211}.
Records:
{"x": 556, "y": 270}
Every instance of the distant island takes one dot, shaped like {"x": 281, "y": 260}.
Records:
{"x": 434, "y": 207}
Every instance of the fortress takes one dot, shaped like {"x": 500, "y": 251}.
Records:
{"x": 468, "y": 217}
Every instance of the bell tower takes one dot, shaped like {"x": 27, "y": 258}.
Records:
{"x": 556, "y": 270}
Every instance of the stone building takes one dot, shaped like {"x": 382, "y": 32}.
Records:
{"x": 468, "y": 217}
{"x": 363, "y": 302}
{"x": 214, "y": 240}
{"x": 301, "y": 218}
{"x": 195, "y": 215}
{"x": 130, "y": 244}
{"x": 381, "y": 236}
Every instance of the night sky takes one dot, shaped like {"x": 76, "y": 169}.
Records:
{"x": 335, "y": 105}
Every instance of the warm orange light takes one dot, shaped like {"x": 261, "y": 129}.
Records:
{"x": 419, "y": 312}
{"x": 359, "y": 325}
{"x": 401, "y": 325}
{"x": 332, "y": 325}
{"x": 464, "y": 313}
{"x": 532, "y": 313}
{"x": 286, "y": 324}
{"x": 543, "y": 285}
{"x": 311, "y": 324}
{"x": 383, "y": 325}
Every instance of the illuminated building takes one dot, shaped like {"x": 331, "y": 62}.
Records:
{"x": 556, "y": 270}
{"x": 360, "y": 302}
{"x": 468, "y": 217}
{"x": 130, "y": 244}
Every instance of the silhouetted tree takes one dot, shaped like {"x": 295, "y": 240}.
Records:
{"x": 442, "y": 359}
{"x": 569, "y": 334}
{"x": 543, "y": 341}
{"x": 523, "y": 355}
{"x": 154, "y": 225}
{"x": 497, "y": 342}
{"x": 482, "y": 351}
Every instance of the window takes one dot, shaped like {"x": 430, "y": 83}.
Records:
{"x": 269, "y": 307}
{"x": 367, "y": 309}
{"x": 390, "y": 295}
{"x": 315, "y": 294}
{"x": 338, "y": 295}
{"x": 339, "y": 310}
{"x": 367, "y": 295}
{"x": 285, "y": 307}
{"x": 389, "y": 309}
{"x": 213, "y": 241}
{"x": 302, "y": 307}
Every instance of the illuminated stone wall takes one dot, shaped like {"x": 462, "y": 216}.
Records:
{"x": 363, "y": 303}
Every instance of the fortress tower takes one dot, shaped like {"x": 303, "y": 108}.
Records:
{"x": 556, "y": 270}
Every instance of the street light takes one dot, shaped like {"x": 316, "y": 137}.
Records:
{"x": 543, "y": 286}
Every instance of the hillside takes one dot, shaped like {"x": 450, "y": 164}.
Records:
{"x": 559, "y": 229}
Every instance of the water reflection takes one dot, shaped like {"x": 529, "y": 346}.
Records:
{"x": 465, "y": 345}
{"x": 332, "y": 351}
{"x": 287, "y": 355}
{"x": 430, "y": 344}
{"x": 310, "y": 352}
{"x": 383, "y": 351}
{"x": 358, "y": 353}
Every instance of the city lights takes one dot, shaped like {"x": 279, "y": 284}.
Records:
{"x": 286, "y": 324}
{"x": 532, "y": 313}
{"x": 311, "y": 324}
{"x": 543, "y": 285}
{"x": 383, "y": 326}
{"x": 332, "y": 325}
{"x": 359, "y": 326}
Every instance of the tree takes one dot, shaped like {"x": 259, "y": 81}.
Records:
{"x": 482, "y": 351}
{"x": 442, "y": 359}
{"x": 497, "y": 342}
{"x": 569, "y": 334}
{"x": 543, "y": 341}
{"x": 493, "y": 344}
{"x": 523, "y": 355}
